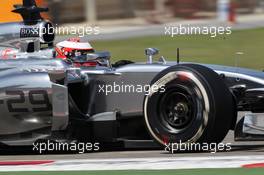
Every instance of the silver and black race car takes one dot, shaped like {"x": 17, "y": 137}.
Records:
{"x": 43, "y": 98}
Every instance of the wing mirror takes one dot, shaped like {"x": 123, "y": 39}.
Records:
{"x": 98, "y": 55}
{"x": 102, "y": 57}
{"x": 150, "y": 53}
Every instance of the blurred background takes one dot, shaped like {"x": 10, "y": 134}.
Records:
{"x": 130, "y": 26}
{"x": 68, "y": 11}
{"x": 153, "y": 11}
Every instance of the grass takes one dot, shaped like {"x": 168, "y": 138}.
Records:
{"x": 196, "y": 48}
{"x": 163, "y": 172}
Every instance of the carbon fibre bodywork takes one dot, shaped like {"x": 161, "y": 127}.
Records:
{"x": 34, "y": 97}
{"x": 27, "y": 98}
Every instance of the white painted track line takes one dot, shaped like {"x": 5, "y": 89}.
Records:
{"x": 140, "y": 164}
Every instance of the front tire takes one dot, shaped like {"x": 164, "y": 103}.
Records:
{"x": 192, "y": 105}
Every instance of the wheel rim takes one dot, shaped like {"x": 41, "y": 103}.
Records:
{"x": 163, "y": 131}
{"x": 177, "y": 109}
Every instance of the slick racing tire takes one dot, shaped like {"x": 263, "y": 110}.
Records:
{"x": 188, "y": 103}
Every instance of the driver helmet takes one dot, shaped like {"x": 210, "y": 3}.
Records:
{"x": 73, "y": 48}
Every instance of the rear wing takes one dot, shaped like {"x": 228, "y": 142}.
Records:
{"x": 30, "y": 12}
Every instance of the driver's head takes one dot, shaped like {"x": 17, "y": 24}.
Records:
{"x": 73, "y": 48}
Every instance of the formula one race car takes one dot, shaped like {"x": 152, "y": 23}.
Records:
{"x": 44, "y": 98}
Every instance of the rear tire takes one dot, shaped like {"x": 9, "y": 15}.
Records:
{"x": 192, "y": 105}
